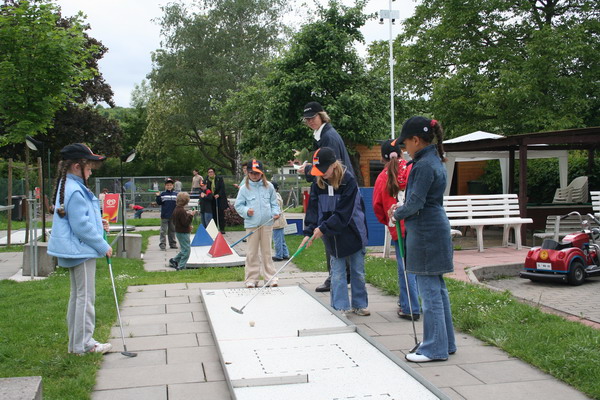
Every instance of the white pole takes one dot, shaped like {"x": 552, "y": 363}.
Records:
{"x": 391, "y": 74}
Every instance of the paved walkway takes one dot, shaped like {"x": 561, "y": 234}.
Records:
{"x": 177, "y": 357}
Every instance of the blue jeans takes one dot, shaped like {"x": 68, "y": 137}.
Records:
{"x": 206, "y": 217}
{"x": 281, "y": 249}
{"x": 412, "y": 286}
{"x": 438, "y": 330}
{"x": 339, "y": 282}
{"x": 184, "y": 252}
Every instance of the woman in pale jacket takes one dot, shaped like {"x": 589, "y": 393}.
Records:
{"x": 77, "y": 240}
{"x": 256, "y": 202}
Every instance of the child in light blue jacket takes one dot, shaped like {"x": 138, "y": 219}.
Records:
{"x": 256, "y": 202}
{"x": 77, "y": 240}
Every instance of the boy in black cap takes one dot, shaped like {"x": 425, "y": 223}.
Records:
{"x": 167, "y": 201}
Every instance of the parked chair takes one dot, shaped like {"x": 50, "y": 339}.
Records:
{"x": 575, "y": 192}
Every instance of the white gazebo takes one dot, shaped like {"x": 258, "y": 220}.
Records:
{"x": 502, "y": 156}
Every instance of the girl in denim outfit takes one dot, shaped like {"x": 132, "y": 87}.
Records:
{"x": 336, "y": 213}
{"x": 77, "y": 240}
{"x": 256, "y": 202}
{"x": 428, "y": 243}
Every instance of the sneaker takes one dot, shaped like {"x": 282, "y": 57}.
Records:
{"x": 274, "y": 284}
{"x": 363, "y": 312}
{"x": 344, "y": 312}
{"x": 420, "y": 358}
{"x": 181, "y": 268}
{"x": 173, "y": 247}
{"x": 98, "y": 348}
{"x": 163, "y": 247}
{"x": 250, "y": 285}
{"x": 173, "y": 263}
{"x": 277, "y": 259}
{"x": 414, "y": 317}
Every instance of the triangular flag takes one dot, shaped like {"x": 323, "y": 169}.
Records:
{"x": 220, "y": 247}
{"x": 202, "y": 238}
{"x": 212, "y": 229}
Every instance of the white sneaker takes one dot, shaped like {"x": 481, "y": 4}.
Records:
{"x": 420, "y": 358}
{"x": 101, "y": 348}
{"x": 250, "y": 285}
{"x": 363, "y": 312}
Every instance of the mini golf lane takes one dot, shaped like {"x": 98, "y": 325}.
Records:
{"x": 288, "y": 345}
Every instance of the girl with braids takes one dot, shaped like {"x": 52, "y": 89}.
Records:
{"x": 77, "y": 240}
{"x": 388, "y": 191}
{"x": 428, "y": 243}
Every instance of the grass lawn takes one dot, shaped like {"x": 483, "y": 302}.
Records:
{"x": 33, "y": 337}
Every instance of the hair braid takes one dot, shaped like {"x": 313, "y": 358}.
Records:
{"x": 439, "y": 134}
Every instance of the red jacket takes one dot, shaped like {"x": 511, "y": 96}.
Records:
{"x": 382, "y": 201}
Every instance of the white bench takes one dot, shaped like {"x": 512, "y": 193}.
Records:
{"x": 595, "y": 203}
{"x": 570, "y": 224}
{"x": 478, "y": 211}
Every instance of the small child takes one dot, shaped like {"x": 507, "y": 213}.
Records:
{"x": 281, "y": 249}
{"x": 206, "y": 203}
{"x": 167, "y": 202}
{"x": 183, "y": 227}
{"x": 138, "y": 211}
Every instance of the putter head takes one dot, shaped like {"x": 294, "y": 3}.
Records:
{"x": 237, "y": 311}
{"x": 129, "y": 354}
{"x": 415, "y": 348}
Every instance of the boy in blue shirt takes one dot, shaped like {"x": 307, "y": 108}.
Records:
{"x": 167, "y": 201}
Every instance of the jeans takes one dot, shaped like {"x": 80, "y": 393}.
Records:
{"x": 184, "y": 254}
{"x": 412, "y": 286}
{"x": 339, "y": 283}
{"x": 281, "y": 249}
{"x": 206, "y": 217}
{"x": 438, "y": 330}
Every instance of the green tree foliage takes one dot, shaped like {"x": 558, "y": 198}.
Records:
{"x": 207, "y": 55}
{"x": 504, "y": 66}
{"x": 321, "y": 65}
{"x": 41, "y": 66}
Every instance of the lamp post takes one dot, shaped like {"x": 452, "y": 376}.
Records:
{"x": 38, "y": 145}
{"x": 124, "y": 159}
{"x": 392, "y": 15}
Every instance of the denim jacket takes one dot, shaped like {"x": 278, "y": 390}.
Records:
{"x": 79, "y": 234}
{"x": 428, "y": 242}
{"x": 263, "y": 200}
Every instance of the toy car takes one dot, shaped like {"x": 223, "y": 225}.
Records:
{"x": 572, "y": 260}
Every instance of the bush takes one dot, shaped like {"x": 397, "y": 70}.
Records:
{"x": 232, "y": 218}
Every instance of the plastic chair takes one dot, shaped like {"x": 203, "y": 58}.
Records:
{"x": 575, "y": 192}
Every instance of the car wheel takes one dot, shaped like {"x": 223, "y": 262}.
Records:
{"x": 576, "y": 273}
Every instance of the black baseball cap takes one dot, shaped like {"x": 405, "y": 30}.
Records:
{"x": 389, "y": 147}
{"x": 311, "y": 109}
{"x": 256, "y": 166}
{"x": 169, "y": 180}
{"x": 322, "y": 160}
{"x": 416, "y": 126}
{"x": 78, "y": 151}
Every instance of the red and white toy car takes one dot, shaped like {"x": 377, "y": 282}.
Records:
{"x": 572, "y": 260}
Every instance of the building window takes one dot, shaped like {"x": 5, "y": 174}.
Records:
{"x": 375, "y": 168}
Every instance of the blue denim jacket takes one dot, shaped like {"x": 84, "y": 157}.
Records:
{"x": 428, "y": 242}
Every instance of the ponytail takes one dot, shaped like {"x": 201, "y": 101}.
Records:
{"x": 63, "y": 168}
{"x": 438, "y": 132}
{"x": 392, "y": 186}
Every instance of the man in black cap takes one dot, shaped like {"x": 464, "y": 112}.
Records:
{"x": 167, "y": 201}
{"x": 324, "y": 135}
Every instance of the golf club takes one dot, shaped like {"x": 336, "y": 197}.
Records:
{"x": 412, "y": 317}
{"x": 260, "y": 226}
{"x": 112, "y": 280}
{"x": 241, "y": 310}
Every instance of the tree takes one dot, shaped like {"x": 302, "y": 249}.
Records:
{"x": 41, "y": 66}
{"x": 205, "y": 56}
{"x": 504, "y": 66}
{"x": 321, "y": 65}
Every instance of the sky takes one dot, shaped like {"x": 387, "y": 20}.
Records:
{"x": 128, "y": 29}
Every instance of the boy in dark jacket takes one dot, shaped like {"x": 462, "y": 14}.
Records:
{"x": 206, "y": 203}
{"x": 167, "y": 202}
{"x": 183, "y": 226}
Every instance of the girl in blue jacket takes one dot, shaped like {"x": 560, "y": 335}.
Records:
{"x": 77, "y": 240}
{"x": 428, "y": 242}
{"x": 256, "y": 202}
{"x": 336, "y": 213}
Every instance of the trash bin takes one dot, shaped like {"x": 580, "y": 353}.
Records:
{"x": 17, "y": 212}
{"x": 477, "y": 187}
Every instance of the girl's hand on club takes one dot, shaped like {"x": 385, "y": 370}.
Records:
{"x": 109, "y": 252}
{"x": 277, "y": 216}
{"x": 316, "y": 235}
{"x": 105, "y": 225}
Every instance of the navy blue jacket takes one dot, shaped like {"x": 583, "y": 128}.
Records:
{"x": 167, "y": 201}
{"x": 330, "y": 138}
{"x": 340, "y": 217}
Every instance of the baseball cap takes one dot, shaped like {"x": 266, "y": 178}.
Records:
{"x": 416, "y": 126}
{"x": 311, "y": 109}
{"x": 169, "y": 180}
{"x": 256, "y": 166}
{"x": 77, "y": 151}
{"x": 389, "y": 147}
{"x": 322, "y": 160}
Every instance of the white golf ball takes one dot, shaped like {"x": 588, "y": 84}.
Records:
{"x": 251, "y": 323}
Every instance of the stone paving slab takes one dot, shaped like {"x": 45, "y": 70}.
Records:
{"x": 121, "y": 378}
{"x": 144, "y": 310}
{"x": 185, "y": 355}
{"x": 138, "y": 393}
{"x": 544, "y": 389}
{"x": 155, "y": 342}
{"x": 130, "y": 302}
{"x": 200, "y": 391}
{"x": 157, "y": 319}
{"x": 143, "y": 359}
{"x": 139, "y": 330}
{"x": 188, "y": 327}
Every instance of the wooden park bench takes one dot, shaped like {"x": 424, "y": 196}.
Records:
{"x": 478, "y": 211}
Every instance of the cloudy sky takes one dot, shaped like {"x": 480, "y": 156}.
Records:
{"x": 126, "y": 27}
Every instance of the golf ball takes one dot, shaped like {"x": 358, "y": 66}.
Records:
{"x": 251, "y": 323}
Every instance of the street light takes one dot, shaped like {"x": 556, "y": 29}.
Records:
{"x": 392, "y": 15}
{"x": 38, "y": 145}
{"x": 124, "y": 159}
